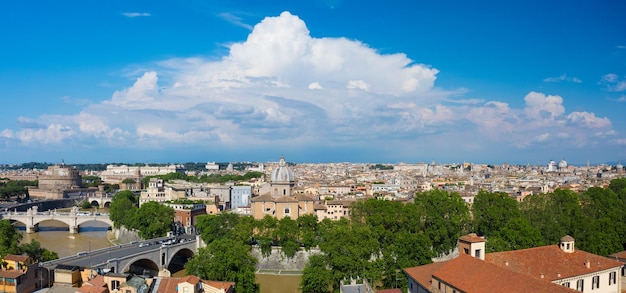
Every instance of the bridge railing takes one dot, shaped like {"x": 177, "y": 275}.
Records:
{"x": 80, "y": 255}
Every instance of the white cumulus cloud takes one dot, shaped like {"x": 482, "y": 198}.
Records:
{"x": 284, "y": 87}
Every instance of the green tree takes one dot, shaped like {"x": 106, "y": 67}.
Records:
{"x": 309, "y": 232}
{"x": 85, "y": 205}
{"x": 36, "y": 252}
{"x": 554, "y": 214}
{"x": 153, "y": 219}
{"x": 123, "y": 208}
{"x": 225, "y": 260}
{"x": 287, "y": 236}
{"x": 213, "y": 227}
{"x": 349, "y": 252}
{"x": 266, "y": 234}
{"x": 444, "y": 217}
{"x": 492, "y": 211}
{"x": 316, "y": 277}
{"x": 516, "y": 234}
{"x": 10, "y": 238}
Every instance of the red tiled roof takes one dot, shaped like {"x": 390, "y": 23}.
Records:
{"x": 191, "y": 279}
{"x": 472, "y": 238}
{"x": 97, "y": 281}
{"x": 11, "y": 274}
{"x": 15, "y": 257}
{"x": 263, "y": 197}
{"x": 423, "y": 274}
{"x": 550, "y": 261}
{"x": 91, "y": 289}
{"x": 319, "y": 207}
{"x": 219, "y": 285}
{"x": 304, "y": 197}
{"x": 469, "y": 275}
{"x": 620, "y": 255}
{"x": 168, "y": 285}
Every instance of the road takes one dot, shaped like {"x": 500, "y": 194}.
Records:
{"x": 96, "y": 258}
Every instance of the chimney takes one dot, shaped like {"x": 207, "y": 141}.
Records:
{"x": 541, "y": 275}
{"x": 506, "y": 263}
{"x": 587, "y": 264}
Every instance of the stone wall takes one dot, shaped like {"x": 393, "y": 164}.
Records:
{"x": 126, "y": 236}
{"x": 278, "y": 261}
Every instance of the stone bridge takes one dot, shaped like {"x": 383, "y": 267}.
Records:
{"x": 136, "y": 257}
{"x": 31, "y": 218}
{"x": 101, "y": 201}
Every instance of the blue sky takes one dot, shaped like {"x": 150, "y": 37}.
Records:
{"x": 319, "y": 81}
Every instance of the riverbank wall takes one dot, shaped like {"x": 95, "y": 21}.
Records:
{"x": 277, "y": 260}
{"x": 45, "y": 205}
{"x": 124, "y": 235}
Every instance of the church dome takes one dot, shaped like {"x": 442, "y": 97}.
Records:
{"x": 562, "y": 164}
{"x": 282, "y": 173}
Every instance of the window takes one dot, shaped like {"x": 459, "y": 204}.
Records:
{"x": 612, "y": 278}
{"x": 624, "y": 271}
{"x": 477, "y": 253}
{"x": 287, "y": 211}
{"x": 580, "y": 285}
{"x": 595, "y": 282}
{"x": 466, "y": 250}
{"x": 566, "y": 284}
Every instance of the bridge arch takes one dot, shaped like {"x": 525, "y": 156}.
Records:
{"x": 141, "y": 266}
{"x": 17, "y": 223}
{"x": 178, "y": 260}
{"x": 42, "y": 222}
{"x": 95, "y": 203}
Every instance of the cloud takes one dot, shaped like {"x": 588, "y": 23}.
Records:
{"x": 542, "y": 107}
{"x": 358, "y": 84}
{"x": 236, "y": 20}
{"x": 613, "y": 83}
{"x": 588, "y": 120}
{"x": 315, "y": 86}
{"x": 136, "y": 14}
{"x": 563, "y": 77}
{"x": 284, "y": 88}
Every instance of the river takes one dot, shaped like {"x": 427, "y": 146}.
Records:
{"x": 55, "y": 236}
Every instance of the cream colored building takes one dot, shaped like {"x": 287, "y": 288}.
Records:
{"x": 279, "y": 201}
{"x": 160, "y": 192}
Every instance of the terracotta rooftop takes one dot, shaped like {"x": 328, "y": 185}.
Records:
{"x": 304, "y": 197}
{"x": 15, "y": 257}
{"x": 551, "y": 262}
{"x": 319, "y": 207}
{"x": 619, "y": 255}
{"x": 168, "y": 285}
{"x": 423, "y": 274}
{"x": 263, "y": 197}
{"x": 11, "y": 274}
{"x": 285, "y": 198}
{"x": 219, "y": 284}
{"x": 470, "y": 275}
{"x": 471, "y": 238}
{"x": 95, "y": 285}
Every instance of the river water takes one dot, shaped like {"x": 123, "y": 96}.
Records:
{"x": 55, "y": 236}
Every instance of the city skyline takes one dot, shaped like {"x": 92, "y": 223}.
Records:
{"x": 320, "y": 81}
